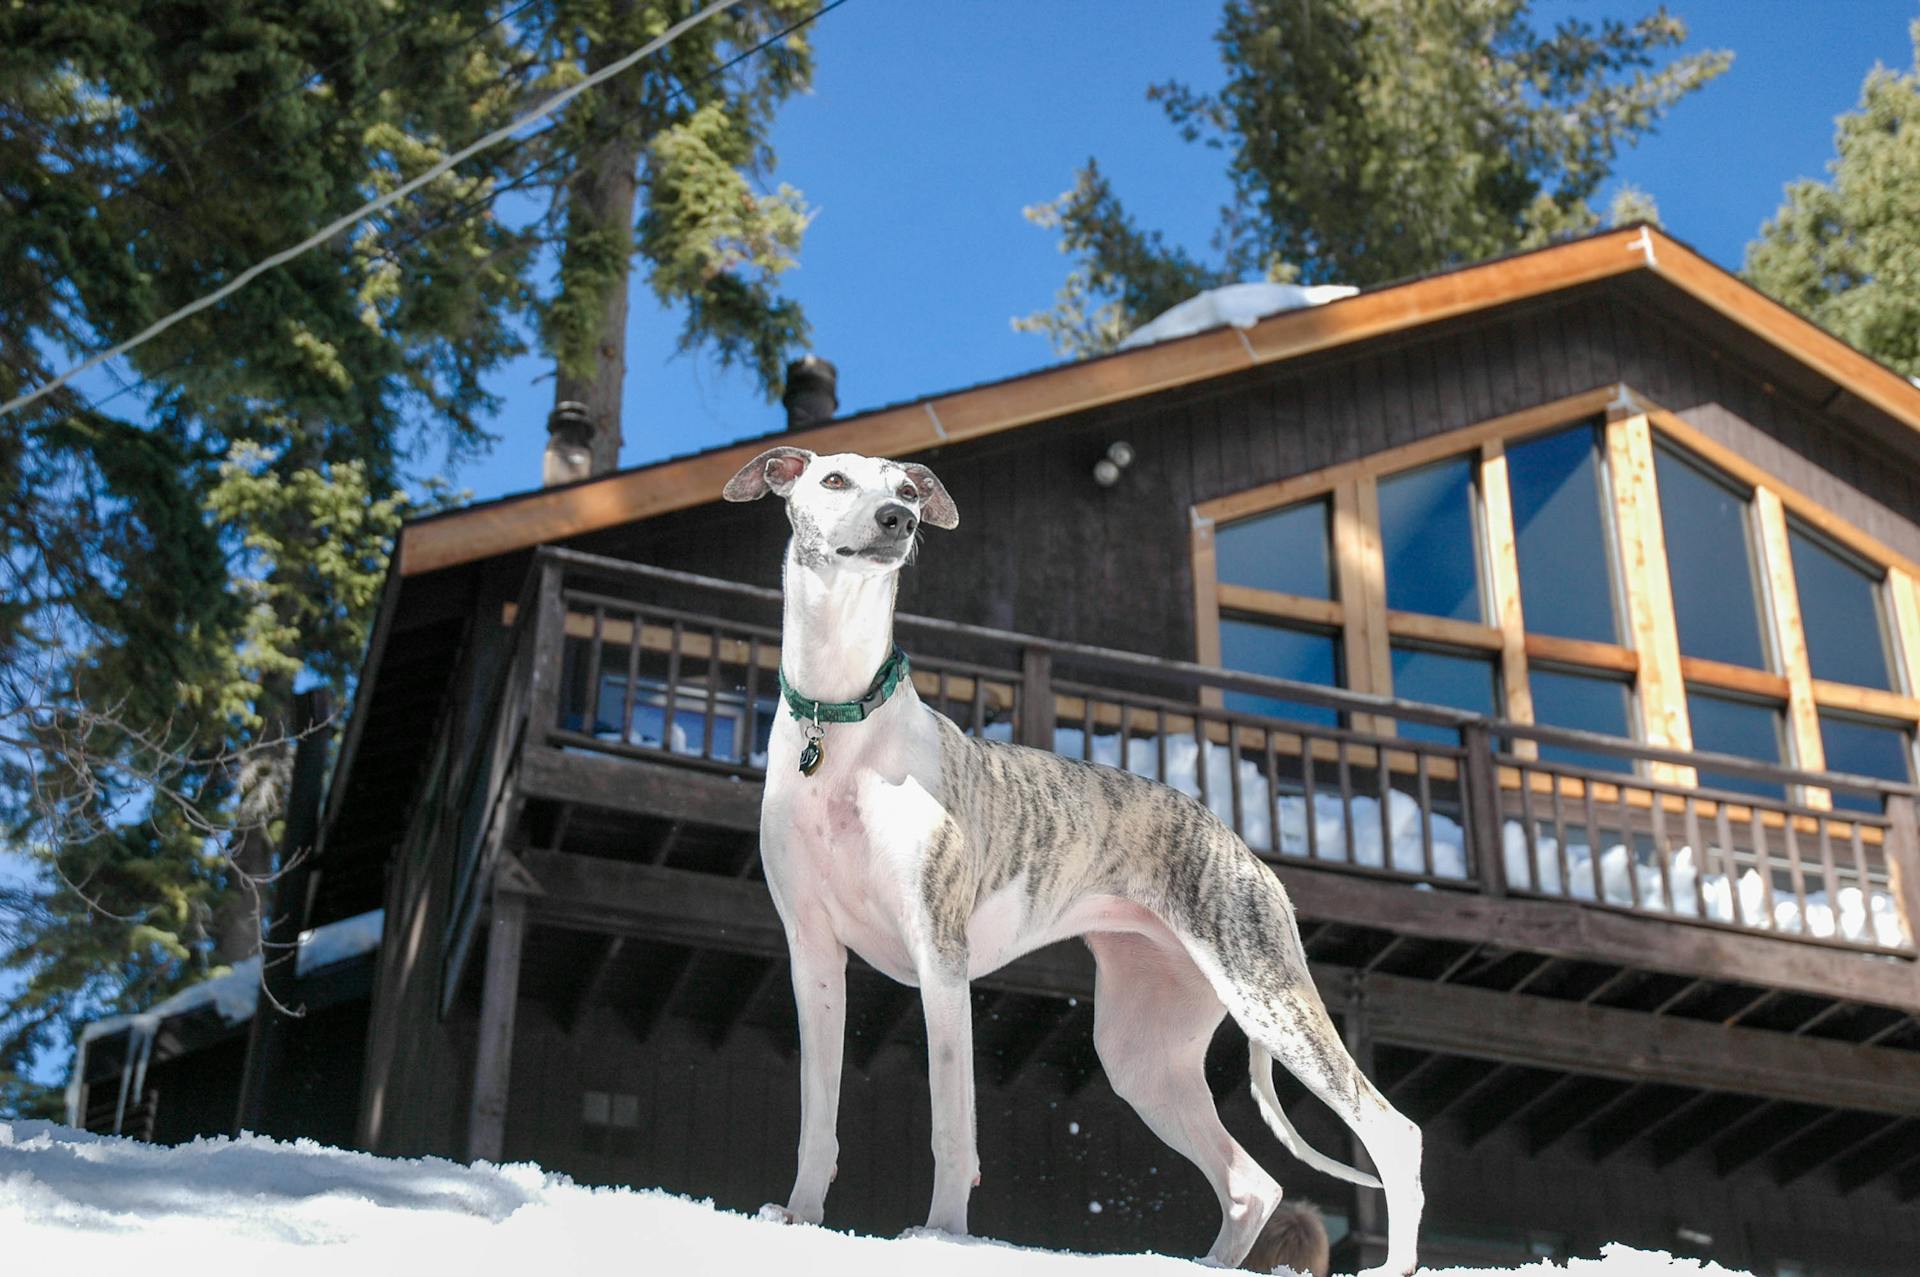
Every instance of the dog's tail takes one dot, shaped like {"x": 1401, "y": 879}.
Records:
{"x": 1260, "y": 1066}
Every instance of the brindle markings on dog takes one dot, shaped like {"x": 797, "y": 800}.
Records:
{"x": 939, "y": 856}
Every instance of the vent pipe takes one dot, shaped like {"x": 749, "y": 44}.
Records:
{"x": 569, "y": 454}
{"x": 811, "y": 397}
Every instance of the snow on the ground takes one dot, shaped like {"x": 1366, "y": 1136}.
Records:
{"x": 1242, "y": 305}
{"x": 99, "y": 1204}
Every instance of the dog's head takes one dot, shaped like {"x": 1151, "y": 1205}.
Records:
{"x": 859, "y": 513}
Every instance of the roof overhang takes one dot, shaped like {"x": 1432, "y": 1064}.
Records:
{"x": 554, "y": 514}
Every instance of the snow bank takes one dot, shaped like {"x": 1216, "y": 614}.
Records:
{"x": 1242, "y": 305}
{"x": 90, "y": 1203}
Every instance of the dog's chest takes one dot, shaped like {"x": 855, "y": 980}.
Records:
{"x": 844, "y": 860}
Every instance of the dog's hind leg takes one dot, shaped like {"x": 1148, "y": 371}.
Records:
{"x": 1153, "y": 1015}
{"x": 1244, "y": 937}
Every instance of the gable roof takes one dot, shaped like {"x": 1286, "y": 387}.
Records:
{"x": 551, "y": 514}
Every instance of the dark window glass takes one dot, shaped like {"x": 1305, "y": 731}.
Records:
{"x": 1746, "y": 729}
{"x": 1715, "y": 605}
{"x": 1440, "y": 678}
{"x": 1864, "y": 749}
{"x": 1427, "y": 539}
{"x": 1584, "y": 703}
{"x": 1560, "y": 536}
{"x": 1286, "y": 551}
{"x": 1840, "y": 608}
{"x": 1306, "y": 656}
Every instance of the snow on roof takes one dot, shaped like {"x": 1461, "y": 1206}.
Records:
{"x": 1242, "y": 305}
{"x": 95, "y": 1203}
{"x": 232, "y": 996}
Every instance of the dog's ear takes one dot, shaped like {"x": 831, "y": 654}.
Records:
{"x": 936, "y": 507}
{"x": 772, "y": 471}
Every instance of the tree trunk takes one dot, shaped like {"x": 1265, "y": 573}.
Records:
{"x": 600, "y": 206}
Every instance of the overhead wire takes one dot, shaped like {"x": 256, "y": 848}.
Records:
{"x": 473, "y": 207}
{"x": 371, "y": 207}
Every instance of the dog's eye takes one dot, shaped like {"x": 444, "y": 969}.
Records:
{"x": 910, "y": 492}
{"x": 835, "y": 481}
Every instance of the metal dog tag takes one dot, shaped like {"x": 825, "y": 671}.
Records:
{"x": 810, "y": 756}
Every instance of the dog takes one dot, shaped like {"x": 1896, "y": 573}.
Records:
{"x": 940, "y": 857}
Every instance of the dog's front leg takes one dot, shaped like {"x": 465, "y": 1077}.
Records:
{"x": 956, "y": 1162}
{"x": 820, "y": 997}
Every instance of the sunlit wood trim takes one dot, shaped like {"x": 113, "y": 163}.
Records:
{"x": 1808, "y": 751}
{"x": 1636, "y": 797}
{"x": 1503, "y": 585}
{"x": 1445, "y": 630}
{"x": 1555, "y": 650}
{"x": 1285, "y": 607}
{"x": 1297, "y": 488}
{"x": 1866, "y": 700}
{"x": 1206, "y": 601}
{"x": 1649, "y": 594}
{"x": 1798, "y": 504}
{"x": 1737, "y": 678}
{"x": 1904, "y": 599}
{"x": 1362, "y": 587}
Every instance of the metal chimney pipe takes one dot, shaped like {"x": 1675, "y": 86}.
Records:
{"x": 811, "y": 396}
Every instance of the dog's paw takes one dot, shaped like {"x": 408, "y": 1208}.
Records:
{"x": 776, "y": 1214}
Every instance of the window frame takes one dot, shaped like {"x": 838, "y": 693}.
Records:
{"x": 1628, "y": 430}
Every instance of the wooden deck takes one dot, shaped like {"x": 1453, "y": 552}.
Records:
{"x": 1563, "y": 920}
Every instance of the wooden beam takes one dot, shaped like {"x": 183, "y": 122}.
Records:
{"x": 1285, "y": 607}
{"x": 1893, "y": 1148}
{"x": 591, "y": 988}
{"x": 1569, "y": 651}
{"x": 1503, "y": 584}
{"x": 1783, "y": 598}
{"x": 1904, "y": 599}
{"x": 1067, "y": 1021}
{"x": 640, "y": 787}
{"x": 1603, "y": 935}
{"x": 720, "y": 912}
{"x": 493, "y": 1055}
{"x": 1661, "y": 687}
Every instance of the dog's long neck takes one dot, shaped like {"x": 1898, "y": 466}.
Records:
{"x": 838, "y": 628}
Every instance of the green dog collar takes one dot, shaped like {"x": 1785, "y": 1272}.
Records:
{"x": 893, "y": 671}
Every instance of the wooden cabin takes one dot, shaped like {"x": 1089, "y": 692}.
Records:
{"x": 1549, "y": 624}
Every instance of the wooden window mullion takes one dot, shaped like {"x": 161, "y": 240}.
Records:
{"x": 1790, "y": 639}
{"x": 1206, "y": 602}
{"x": 1503, "y": 590}
{"x": 1904, "y": 597}
{"x": 1660, "y": 687}
{"x": 1362, "y": 583}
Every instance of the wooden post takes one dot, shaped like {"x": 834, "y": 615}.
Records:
{"x": 1480, "y": 784}
{"x": 1902, "y": 850}
{"x": 1368, "y": 1239}
{"x": 549, "y": 650}
{"x": 286, "y": 912}
{"x": 1036, "y": 698}
{"x": 493, "y": 1059}
{"x": 1783, "y": 600}
{"x": 1503, "y": 587}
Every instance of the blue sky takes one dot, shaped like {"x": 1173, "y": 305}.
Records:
{"x": 931, "y": 125}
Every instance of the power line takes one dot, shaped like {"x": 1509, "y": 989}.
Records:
{"x": 366, "y": 210}
{"x": 474, "y": 206}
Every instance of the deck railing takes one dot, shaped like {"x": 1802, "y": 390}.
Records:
{"x": 632, "y": 661}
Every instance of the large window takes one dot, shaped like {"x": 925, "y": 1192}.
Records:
{"x": 1428, "y": 541}
{"x": 1841, "y": 611}
{"x": 1710, "y": 562}
{"x": 1631, "y": 577}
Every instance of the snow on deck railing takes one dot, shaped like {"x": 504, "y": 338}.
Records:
{"x": 233, "y": 996}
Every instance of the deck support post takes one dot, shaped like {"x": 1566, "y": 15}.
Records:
{"x": 1368, "y": 1238}
{"x": 493, "y": 1060}
{"x": 1036, "y": 699}
{"x": 1482, "y": 799}
{"x": 1903, "y": 863}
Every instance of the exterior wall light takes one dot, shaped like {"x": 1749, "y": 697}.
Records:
{"x": 1106, "y": 471}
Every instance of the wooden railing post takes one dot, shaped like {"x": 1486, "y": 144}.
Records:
{"x": 493, "y": 1056}
{"x": 1036, "y": 697}
{"x": 549, "y": 647}
{"x": 1903, "y": 864}
{"x": 1482, "y": 798}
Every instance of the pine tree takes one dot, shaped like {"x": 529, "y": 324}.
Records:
{"x": 1371, "y": 140}
{"x": 1846, "y": 253}
{"x": 178, "y": 558}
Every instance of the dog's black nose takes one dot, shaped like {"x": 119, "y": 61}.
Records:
{"x": 896, "y": 520}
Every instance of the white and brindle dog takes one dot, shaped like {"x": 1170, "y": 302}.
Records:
{"x": 939, "y": 857}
